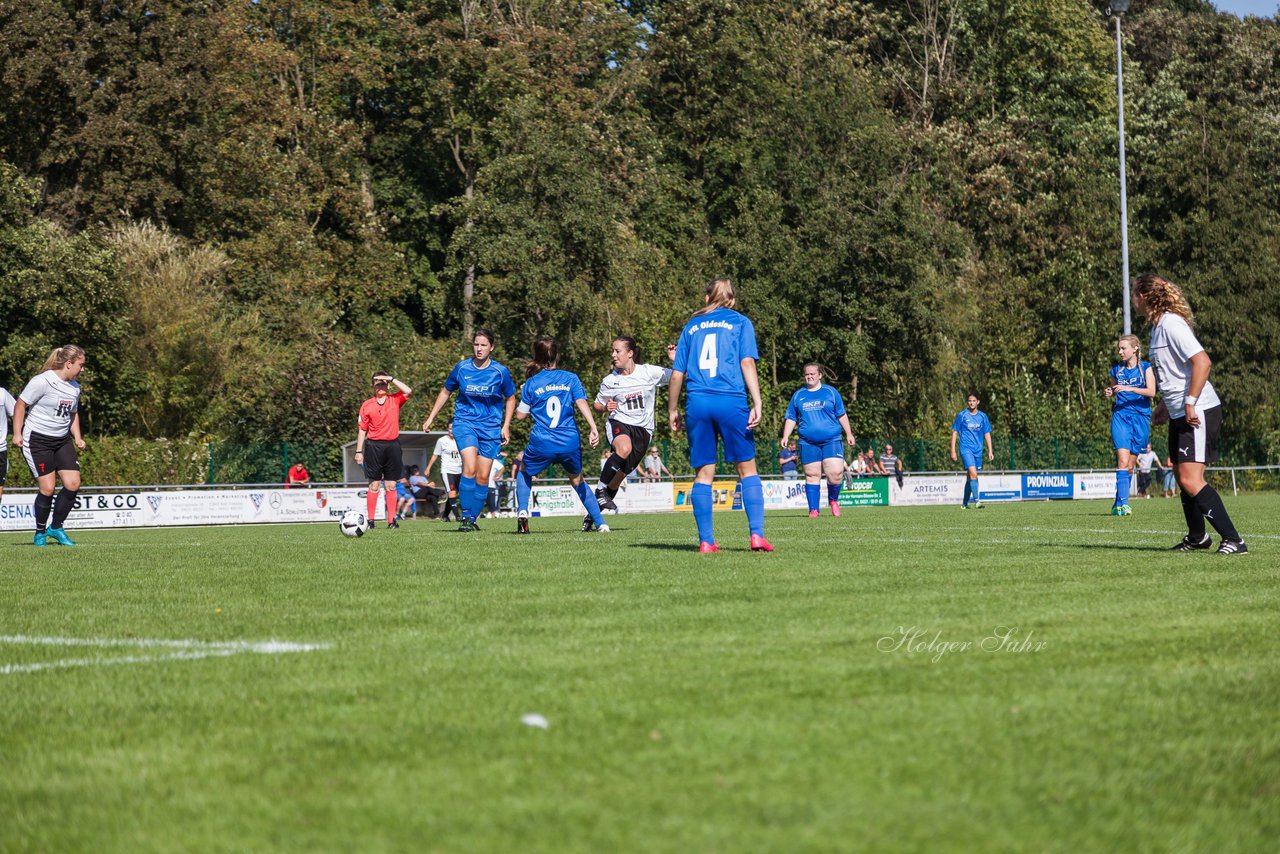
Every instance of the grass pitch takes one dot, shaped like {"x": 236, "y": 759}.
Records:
{"x": 854, "y": 690}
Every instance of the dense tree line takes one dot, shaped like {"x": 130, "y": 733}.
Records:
{"x": 240, "y": 209}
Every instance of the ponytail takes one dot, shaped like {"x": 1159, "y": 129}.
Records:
{"x": 60, "y": 356}
{"x": 720, "y": 294}
{"x": 546, "y": 354}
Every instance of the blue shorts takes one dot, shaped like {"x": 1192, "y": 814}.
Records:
{"x": 971, "y": 459}
{"x": 1130, "y": 432}
{"x": 538, "y": 460}
{"x": 709, "y": 417}
{"x": 816, "y": 452}
{"x": 486, "y": 440}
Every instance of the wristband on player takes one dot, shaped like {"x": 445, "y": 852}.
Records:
{"x": 1192, "y": 400}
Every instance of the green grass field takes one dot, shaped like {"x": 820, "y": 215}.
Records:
{"x": 711, "y": 703}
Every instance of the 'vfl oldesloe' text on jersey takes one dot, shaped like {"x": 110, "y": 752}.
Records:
{"x": 711, "y": 349}
{"x": 549, "y": 397}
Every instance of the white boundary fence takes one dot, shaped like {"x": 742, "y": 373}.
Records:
{"x": 156, "y": 506}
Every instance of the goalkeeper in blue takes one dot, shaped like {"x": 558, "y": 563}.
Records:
{"x": 971, "y": 427}
{"x": 716, "y": 357}
{"x": 1133, "y": 386}
{"x": 549, "y": 396}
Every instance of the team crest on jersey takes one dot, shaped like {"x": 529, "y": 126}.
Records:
{"x": 154, "y": 501}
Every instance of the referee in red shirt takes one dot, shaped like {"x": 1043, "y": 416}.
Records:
{"x": 378, "y": 443}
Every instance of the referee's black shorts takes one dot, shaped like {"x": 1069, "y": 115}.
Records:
{"x": 49, "y": 454}
{"x": 640, "y": 438}
{"x": 382, "y": 460}
{"x": 4, "y": 465}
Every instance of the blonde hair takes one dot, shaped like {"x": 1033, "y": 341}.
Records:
{"x": 1161, "y": 295}
{"x": 60, "y": 356}
{"x": 720, "y": 294}
{"x": 1132, "y": 339}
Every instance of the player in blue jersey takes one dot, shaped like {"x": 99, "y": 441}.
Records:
{"x": 549, "y": 396}
{"x": 1133, "y": 385}
{"x": 971, "y": 427}
{"x": 716, "y": 356}
{"x": 817, "y": 412}
{"x": 481, "y": 421}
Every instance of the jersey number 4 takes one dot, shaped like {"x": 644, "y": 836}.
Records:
{"x": 707, "y": 355}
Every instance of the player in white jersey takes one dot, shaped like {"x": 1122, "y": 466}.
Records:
{"x": 6, "y": 412}
{"x": 46, "y": 426}
{"x": 1195, "y": 413}
{"x": 446, "y": 451}
{"x": 629, "y": 394}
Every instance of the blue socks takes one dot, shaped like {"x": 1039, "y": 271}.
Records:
{"x": 753, "y": 503}
{"x": 968, "y": 487}
{"x": 1124, "y": 479}
{"x": 812, "y": 494}
{"x": 973, "y": 490}
{"x": 524, "y": 488}
{"x": 700, "y": 496}
{"x": 588, "y": 499}
{"x": 833, "y": 492}
{"x": 467, "y": 498}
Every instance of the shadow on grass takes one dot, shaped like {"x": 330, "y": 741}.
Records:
{"x": 1122, "y": 548}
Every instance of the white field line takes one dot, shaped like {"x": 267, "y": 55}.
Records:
{"x": 1070, "y": 530}
{"x": 181, "y": 650}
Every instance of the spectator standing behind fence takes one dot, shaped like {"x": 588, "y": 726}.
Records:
{"x": 857, "y": 467}
{"x": 6, "y": 412}
{"x": 787, "y": 459}
{"x": 379, "y": 433}
{"x": 654, "y": 466}
{"x": 873, "y": 464}
{"x": 891, "y": 465}
{"x": 297, "y": 476}
{"x": 816, "y": 413}
{"x": 971, "y": 427}
{"x": 1146, "y": 460}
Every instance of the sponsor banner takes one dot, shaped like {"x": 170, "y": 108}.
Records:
{"x": 1047, "y": 485}
{"x": 785, "y": 494}
{"x": 192, "y": 507}
{"x": 927, "y": 489}
{"x": 555, "y": 501}
{"x": 1097, "y": 485}
{"x": 864, "y": 492}
{"x": 722, "y": 495}
{"x": 1000, "y": 487}
{"x": 650, "y": 497}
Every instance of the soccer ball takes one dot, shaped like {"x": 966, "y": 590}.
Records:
{"x": 353, "y": 524}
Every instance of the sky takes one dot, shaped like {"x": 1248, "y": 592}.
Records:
{"x": 1240, "y": 8}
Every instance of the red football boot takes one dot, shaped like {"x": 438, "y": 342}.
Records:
{"x": 760, "y": 544}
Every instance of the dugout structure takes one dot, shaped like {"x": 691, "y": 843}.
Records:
{"x": 415, "y": 447}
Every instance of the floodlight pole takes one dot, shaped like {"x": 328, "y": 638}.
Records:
{"x": 1118, "y": 8}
